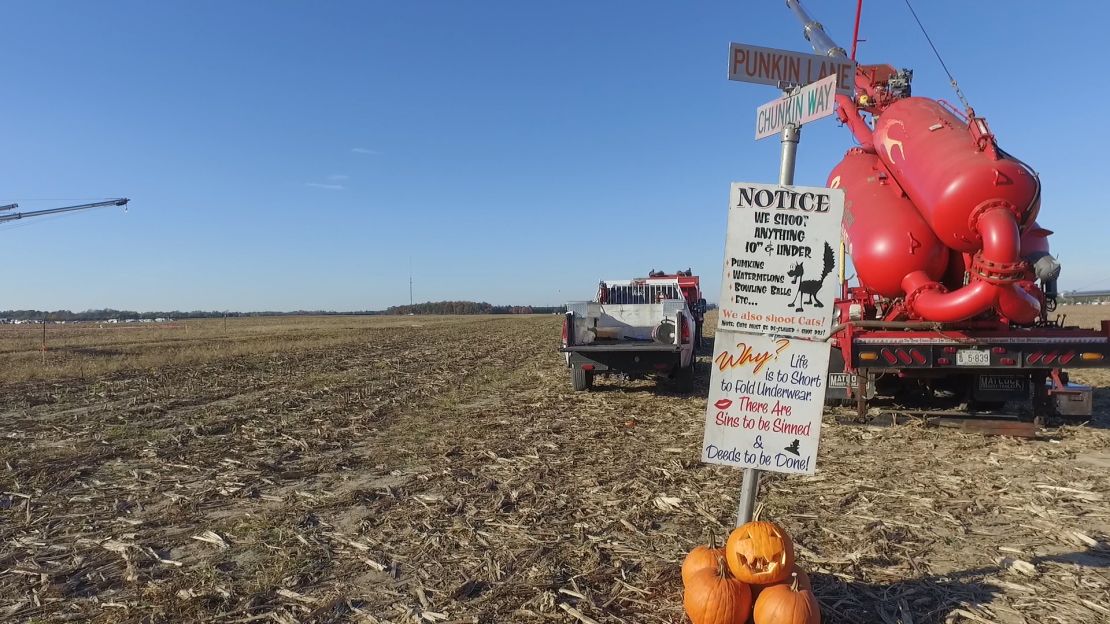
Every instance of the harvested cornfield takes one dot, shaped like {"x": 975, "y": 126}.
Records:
{"x": 410, "y": 469}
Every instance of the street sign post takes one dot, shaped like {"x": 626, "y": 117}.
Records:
{"x": 785, "y": 68}
{"x": 809, "y": 103}
{"x": 734, "y": 432}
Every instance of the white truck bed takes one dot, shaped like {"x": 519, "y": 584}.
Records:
{"x": 635, "y": 329}
{"x": 599, "y": 323}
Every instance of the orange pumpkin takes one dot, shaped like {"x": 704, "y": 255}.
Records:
{"x": 712, "y": 596}
{"x": 760, "y": 553}
{"x": 701, "y": 557}
{"x": 803, "y": 582}
{"x": 787, "y": 604}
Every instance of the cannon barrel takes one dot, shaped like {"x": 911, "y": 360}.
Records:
{"x": 814, "y": 32}
{"x": 122, "y": 201}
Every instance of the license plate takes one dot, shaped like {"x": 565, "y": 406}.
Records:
{"x": 842, "y": 380}
{"x": 973, "y": 357}
{"x": 1003, "y": 383}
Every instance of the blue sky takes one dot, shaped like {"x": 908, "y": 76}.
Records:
{"x": 294, "y": 155}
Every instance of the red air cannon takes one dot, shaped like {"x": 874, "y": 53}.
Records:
{"x": 937, "y": 211}
{"x": 955, "y": 275}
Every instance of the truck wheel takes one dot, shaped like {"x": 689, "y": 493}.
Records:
{"x": 684, "y": 378}
{"x": 581, "y": 379}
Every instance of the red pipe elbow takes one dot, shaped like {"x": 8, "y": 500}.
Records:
{"x": 1002, "y": 246}
{"x": 928, "y": 299}
{"x": 1001, "y": 236}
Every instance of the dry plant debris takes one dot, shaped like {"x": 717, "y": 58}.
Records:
{"x": 441, "y": 470}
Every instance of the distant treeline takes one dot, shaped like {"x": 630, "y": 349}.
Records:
{"x": 108, "y": 313}
{"x": 439, "y": 307}
{"x": 469, "y": 307}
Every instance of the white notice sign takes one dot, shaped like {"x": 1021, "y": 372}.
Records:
{"x": 785, "y": 68}
{"x": 780, "y": 269}
{"x": 766, "y": 396}
{"x": 810, "y": 103}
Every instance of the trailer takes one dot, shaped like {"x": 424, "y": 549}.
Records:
{"x": 980, "y": 367}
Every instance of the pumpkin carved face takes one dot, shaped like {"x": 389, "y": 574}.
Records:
{"x": 712, "y": 596}
{"x": 760, "y": 553}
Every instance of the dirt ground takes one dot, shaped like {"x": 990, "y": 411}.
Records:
{"x": 440, "y": 470}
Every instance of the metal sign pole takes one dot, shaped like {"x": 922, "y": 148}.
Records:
{"x": 749, "y": 489}
{"x": 790, "y": 135}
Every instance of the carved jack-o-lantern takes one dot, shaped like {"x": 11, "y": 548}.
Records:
{"x": 760, "y": 553}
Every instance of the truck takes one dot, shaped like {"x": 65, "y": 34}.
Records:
{"x": 648, "y": 326}
{"x": 955, "y": 280}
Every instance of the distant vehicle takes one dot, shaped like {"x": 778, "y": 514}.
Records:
{"x": 636, "y": 328}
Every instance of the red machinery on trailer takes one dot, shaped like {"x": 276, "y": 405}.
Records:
{"x": 690, "y": 285}
{"x": 956, "y": 281}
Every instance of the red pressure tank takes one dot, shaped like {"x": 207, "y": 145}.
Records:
{"x": 975, "y": 198}
{"x": 887, "y": 237}
{"x": 952, "y": 171}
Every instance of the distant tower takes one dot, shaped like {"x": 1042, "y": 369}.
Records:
{"x": 410, "y": 281}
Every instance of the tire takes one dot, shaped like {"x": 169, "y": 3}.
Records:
{"x": 581, "y": 379}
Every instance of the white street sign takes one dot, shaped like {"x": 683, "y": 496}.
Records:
{"x": 783, "y": 68}
{"x": 766, "y": 395}
{"x": 810, "y": 103}
{"x": 780, "y": 260}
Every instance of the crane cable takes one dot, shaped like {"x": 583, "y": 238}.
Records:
{"x": 951, "y": 79}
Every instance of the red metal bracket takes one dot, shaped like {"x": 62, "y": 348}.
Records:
{"x": 998, "y": 272}
{"x": 931, "y": 286}
{"x": 987, "y": 206}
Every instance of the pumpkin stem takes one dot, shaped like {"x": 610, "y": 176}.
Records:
{"x": 758, "y": 512}
{"x": 711, "y": 539}
{"x": 794, "y": 582}
{"x": 722, "y": 569}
